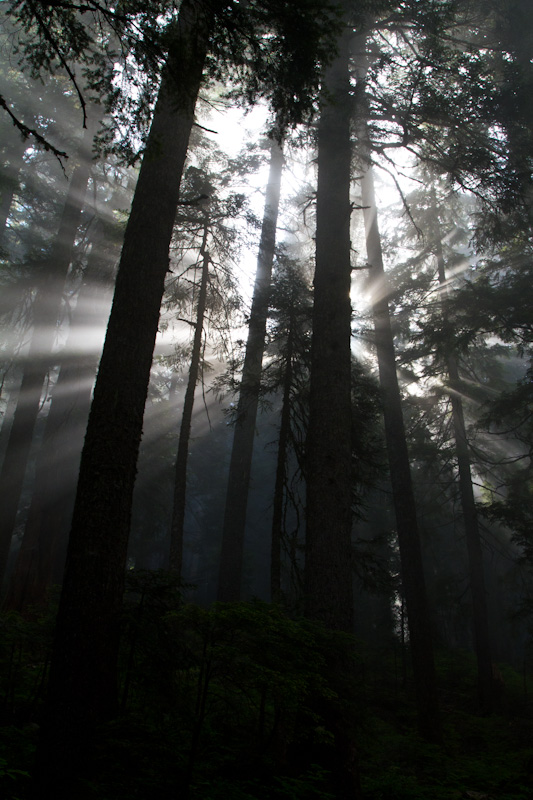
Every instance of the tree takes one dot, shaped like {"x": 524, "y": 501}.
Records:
{"x": 328, "y": 590}
{"x": 215, "y": 290}
{"x": 405, "y": 510}
{"x": 472, "y": 532}
{"x": 490, "y": 305}
{"x": 46, "y": 309}
{"x": 413, "y": 581}
{"x": 328, "y": 571}
{"x": 180, "y": 478}
{"x": 510, "y": 66}
{"x": 60, "y": 37}
{"x": 288, "y": 372}
{"x": 231, "y": 558}
{"x": 12, "y": 162}
{"x": 41, "y": 556}
{"x": 82, "y": 686}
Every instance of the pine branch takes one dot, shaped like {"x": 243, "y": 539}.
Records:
{"x": 31, "y": 132}
{"x": 49, "y": 38}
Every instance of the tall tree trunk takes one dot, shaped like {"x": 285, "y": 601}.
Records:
{"x": 46, "y": 310}
{"x": 468, "y": 505}
{"x": 180, "y": 475}
{"x": 41, "y": 556}
{"x": 231, "y": 557}
{"x": 281, "y": 470}
{"x": 16, "y": 373}
{"x": 402, "y": 490}
{"x": 6, "y": 199}
{"x": 328, "y": 583}
{"x": 413, "y": 580}
{"x": 328, "y": 568}
{"x": 10, "y": 182}
{"x": 513, "y": 28}
{"x": 83, "y": 673}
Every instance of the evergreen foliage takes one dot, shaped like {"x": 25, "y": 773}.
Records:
{"x": 226, "y": 702}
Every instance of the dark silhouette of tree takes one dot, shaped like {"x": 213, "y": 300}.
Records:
{"x": 231, "y": 558}
{"x": 83, "y": 678}
{"x": 214, "y": 302}
{"x": 328, "y": 570}
{"x": 82, "y": 686}
{"x": 12, "y": 160}
{"x": 180, "y": 475}
{"x": 41, "y": 556}
{"x": 472, "y": 533}
{"x": 46, "y": 309}
{"x": 413, "y": 579}
{"x": 328, "y": 588}
{"x": 291, "y": 345}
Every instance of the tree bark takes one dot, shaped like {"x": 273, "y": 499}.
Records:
{"x": 328, "y": 585}
{"x": 328, "y": 569}
{"x": 46, "y": 310}
{"x": 468, "y": 505}
{"x": 83, "y": 673}
{"x": 16, "y": 373}
{"x": 180, "y": 475}
{"x": 10, "y": 182}
{"x": 231, "y": 558}
{"x": 281, "y": 470}
{"x": 413, "y": 580}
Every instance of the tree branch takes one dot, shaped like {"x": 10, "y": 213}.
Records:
{"x": 31, "y": 132}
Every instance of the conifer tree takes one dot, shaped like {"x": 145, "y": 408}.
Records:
{"x": 180, "y": 477}
{"x": 328, "y": 582}
{"x": 285, "y": 381}
{"x": 231, "y": 558}
{"x": 413, "y": 580}
{"x": 214, "y": 297}
{"x": 468, "y": 505}
{"x": 12, "y": 159}
{"x": 82, "y": 686}
{"x": 46, "y": 308}
{"x": 328, "y": 570}
{"x": 83, "y": 677}
{"x": 42, "y": 551}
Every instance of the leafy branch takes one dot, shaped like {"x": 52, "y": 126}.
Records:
{"x": 27, "y": 132}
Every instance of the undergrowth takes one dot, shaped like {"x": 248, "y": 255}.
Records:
{"x": 232, "y": 702}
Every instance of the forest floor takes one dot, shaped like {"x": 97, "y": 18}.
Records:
{"x": 225, "y": 704}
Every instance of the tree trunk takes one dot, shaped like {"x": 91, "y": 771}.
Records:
{"x": 413, "y": 580}
{"x": 231, "y": 558}
{"x": 16, "y": 373}
{"x": 281, "y": 471}
{"x": 6, "y": 199}
{"x": 328, "y": 584}
{"x": 46, "y": 310}
{"x": 83, "y": 674}
{"x": 10, "y": 181}
{"x": 41, "y": 556}
{"x": 180, "y": 476}
{"x": 328, "y": 569}
{"x": 402, "y": 490}
{"x": 473, "y": 539}
{"x": 513, "y": 28}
